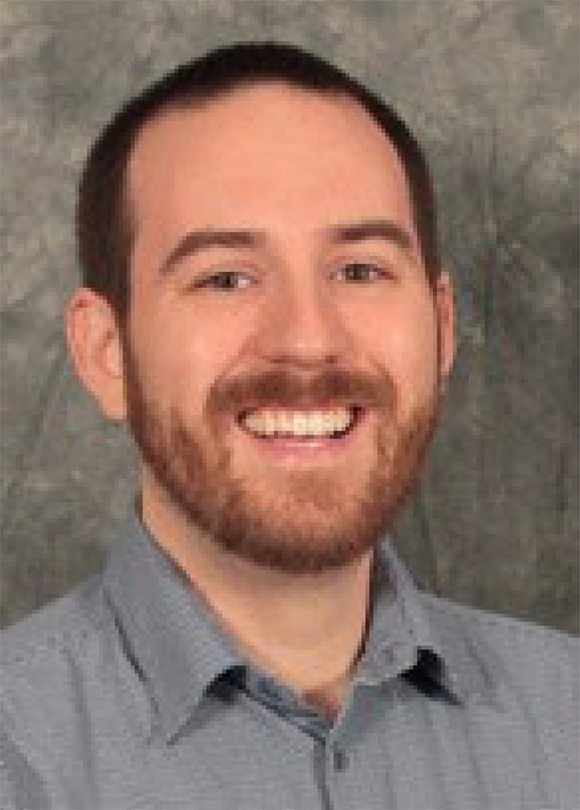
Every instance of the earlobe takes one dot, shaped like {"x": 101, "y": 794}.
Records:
{"x": 445, "y": 301}
{"x": 95, "y": 346}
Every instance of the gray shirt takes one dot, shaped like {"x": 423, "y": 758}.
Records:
{"x": 127, "y": 694}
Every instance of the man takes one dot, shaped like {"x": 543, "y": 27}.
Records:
{"x": 264, "y": 306}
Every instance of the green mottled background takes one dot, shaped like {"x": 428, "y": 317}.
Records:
{"x": 492, "y": 90}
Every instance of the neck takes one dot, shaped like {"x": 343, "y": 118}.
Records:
{"x": 305, "y": 630}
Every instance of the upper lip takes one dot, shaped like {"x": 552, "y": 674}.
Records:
{"x": 300, "y": 407}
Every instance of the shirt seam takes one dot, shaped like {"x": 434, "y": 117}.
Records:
{"x": 500, "y": 621}
{"x": 67, "y": 640}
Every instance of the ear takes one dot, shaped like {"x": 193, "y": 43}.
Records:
{"x": 445, "y": 304}
{"x": 95, "y": 346}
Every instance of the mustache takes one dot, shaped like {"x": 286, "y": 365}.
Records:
{"x": 284, "y": 389}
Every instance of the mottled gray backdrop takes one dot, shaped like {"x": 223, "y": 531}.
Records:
{"x": 492, "y": 90}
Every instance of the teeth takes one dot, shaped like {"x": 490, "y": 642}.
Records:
{"x": 298, "y": 423}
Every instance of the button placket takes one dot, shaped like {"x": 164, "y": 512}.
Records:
{"x": 339, "y": 760}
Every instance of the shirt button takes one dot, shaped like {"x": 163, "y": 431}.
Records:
{"x": 340, "y": 759}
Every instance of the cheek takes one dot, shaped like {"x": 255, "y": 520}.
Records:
{"x": 183, "y": 348}
{"x": 404, "y": 344}
{"x": 183, "y": 364}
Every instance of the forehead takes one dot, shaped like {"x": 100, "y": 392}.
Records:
{"x": 267, "y": 155}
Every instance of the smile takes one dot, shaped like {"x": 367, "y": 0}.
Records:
{"x": 303, "y": 425}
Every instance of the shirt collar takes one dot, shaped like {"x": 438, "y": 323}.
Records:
{"x": 178, "y": 647}
{"x": 406, "y": 634}
{"x": 170, "y": 634}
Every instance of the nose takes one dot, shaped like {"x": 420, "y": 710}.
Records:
{"x": 303, "y": 327}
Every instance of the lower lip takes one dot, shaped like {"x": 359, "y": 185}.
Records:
{"x": 306, "y": 451}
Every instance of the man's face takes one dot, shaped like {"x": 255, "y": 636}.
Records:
{"x": 282, "y": 355}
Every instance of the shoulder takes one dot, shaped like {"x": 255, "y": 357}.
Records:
{"x": 539, "y": 664}
{"x": 52, "y": 656}
{"x": 505, "y": 633}
{"x": 56, "y": 666}
{"x": 60, "y": 629}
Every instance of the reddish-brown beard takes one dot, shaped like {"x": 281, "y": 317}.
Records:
{"x": 321, "y": 520}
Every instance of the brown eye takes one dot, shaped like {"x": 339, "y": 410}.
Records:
{"x": 225, "y": 280}
{"x": 362, "y": 272}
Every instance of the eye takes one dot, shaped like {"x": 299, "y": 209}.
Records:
{"x": 363, "y": 272}
{"x": 224, "y": 280}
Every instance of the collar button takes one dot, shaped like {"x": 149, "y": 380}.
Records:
{"x": 339, "y": 759}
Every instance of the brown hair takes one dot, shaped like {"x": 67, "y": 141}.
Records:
{"x": 104, "y": 225}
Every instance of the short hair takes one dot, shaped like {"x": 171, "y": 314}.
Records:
{"x": 104, "y": 226}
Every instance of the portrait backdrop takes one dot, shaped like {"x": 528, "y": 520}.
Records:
{"x": 491, "y": 90}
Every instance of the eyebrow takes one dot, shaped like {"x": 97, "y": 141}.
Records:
{"x": 196, "y": 241}
{"x": 384, "y": 229}
{"x": 206, "y": 238}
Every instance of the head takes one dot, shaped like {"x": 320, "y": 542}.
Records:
{"x": 261, "y": 270}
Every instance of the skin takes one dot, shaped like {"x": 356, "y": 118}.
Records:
{"x": 289, "y": 166}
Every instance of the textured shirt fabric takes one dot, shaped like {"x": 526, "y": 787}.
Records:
{"x": 127, "y": 694}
